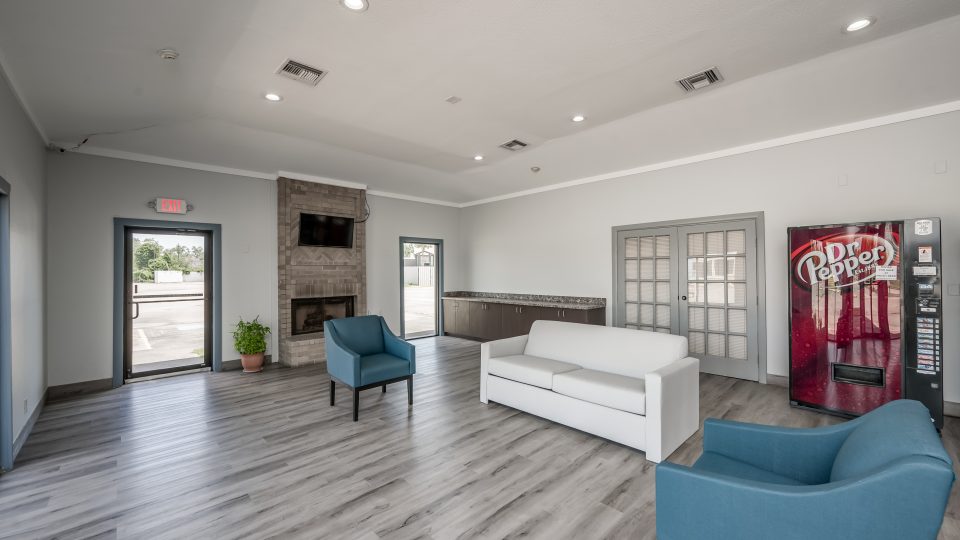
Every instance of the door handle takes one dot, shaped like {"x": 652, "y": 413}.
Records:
{"x": 684, "y": 297}
{"x": 137, "y": 306}
{"x": 521, "y": 309}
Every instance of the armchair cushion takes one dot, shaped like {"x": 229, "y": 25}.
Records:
{"x": 720, "y": 464}
{"x": 382, "y": 367}
{"x": 607, "y": 389}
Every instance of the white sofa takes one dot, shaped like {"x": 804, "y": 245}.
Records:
{"x": 634, "y": 387}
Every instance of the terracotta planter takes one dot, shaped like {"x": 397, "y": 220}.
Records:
{"x": 252, "y": 363}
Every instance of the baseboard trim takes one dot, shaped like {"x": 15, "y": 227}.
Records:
{"x": 66, "y": 391}
{"x": 951, "y": 409}
{"x": 233, "y": 365}
{"x": 777, "y": 380}
{"x": 28, "y": 427}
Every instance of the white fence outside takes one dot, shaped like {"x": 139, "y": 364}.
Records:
{"x": 418, "y": 276}
{"x": 193, "y": 277}
{"x": 167, "y": 276}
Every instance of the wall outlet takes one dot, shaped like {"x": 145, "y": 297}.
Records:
{"x": 940, "y": 167}
{"x": 842, "y": 180}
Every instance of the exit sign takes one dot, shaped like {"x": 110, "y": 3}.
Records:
{"x": 170, "y": 206}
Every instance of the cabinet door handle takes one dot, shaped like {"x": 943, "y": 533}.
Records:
{"x": 521, "y": 309}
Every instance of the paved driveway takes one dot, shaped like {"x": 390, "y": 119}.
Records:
{"x": 420, "y": 311}
{"x": 167, "y": 331}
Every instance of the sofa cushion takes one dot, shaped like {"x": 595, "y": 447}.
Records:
{"x": 382, "y": 367}
{"x": 607, "y": 389}
{"x": 528, "y": 369}
{"x": 898, "y": 429}
{"x": 633, "y": 353}
{"x": 720, "y": 464}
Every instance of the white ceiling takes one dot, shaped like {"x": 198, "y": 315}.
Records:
{"x": 522, "y": 69}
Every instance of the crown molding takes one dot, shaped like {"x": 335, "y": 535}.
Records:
{"x": 156, "y": 160}
{"x": 412, "y": 198}
{"x": 914, "y": 114}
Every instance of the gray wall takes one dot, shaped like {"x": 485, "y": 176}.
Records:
{"x": 389, "y": 220}
{"x": 559, "y": 242}
{"x": 87, "y": 192}
{"x": 22, "y": 165}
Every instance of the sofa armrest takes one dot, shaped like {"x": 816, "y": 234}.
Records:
{"x": 805, "y": 455}
{"x": 907, "y": 499}
{"x": 496, "y": 349}
{"x": 672, "y": 406}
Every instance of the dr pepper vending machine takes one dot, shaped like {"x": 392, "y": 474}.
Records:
{"x": 865, "y": 317}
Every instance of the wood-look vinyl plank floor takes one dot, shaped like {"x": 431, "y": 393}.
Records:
{"x": 233, "y": 455}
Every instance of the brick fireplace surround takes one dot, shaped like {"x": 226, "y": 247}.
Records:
{"x": 312, "y": 272}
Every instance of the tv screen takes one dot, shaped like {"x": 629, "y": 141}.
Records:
{"x": 326, "y": 231}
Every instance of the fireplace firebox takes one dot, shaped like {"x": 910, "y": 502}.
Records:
{"x": 307, "y": 314}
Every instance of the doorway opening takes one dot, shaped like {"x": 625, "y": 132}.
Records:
{"x": 421, "y": 285}
{"x": 168, "y": 313}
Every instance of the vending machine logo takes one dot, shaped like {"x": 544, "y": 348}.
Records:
{"x": 845, "y": 259}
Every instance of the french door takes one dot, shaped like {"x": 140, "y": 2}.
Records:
{"x": 697, "y": 281}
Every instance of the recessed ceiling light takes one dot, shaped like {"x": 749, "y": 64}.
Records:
{"x": 859, "y": 24}
{"x": 579, "y": 118}
{"x": 478, "y": 157}
{"x": 355, "y": 5}
{"x": 272, "y": 97}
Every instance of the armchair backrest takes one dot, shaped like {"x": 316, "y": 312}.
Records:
{"x": 898, "y": 429}
{"x": 362, "y": 335}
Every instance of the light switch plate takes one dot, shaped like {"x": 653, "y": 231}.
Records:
{"x": 842, "y": 180}
{"x": 953, "y": 289}
{"x": 940, "y": 167}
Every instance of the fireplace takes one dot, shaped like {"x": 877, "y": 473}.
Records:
{"x": 307, "y": 314}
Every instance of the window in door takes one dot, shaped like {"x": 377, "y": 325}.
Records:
{"x": 698, "y": 281}
{"x": 421, "y": 272}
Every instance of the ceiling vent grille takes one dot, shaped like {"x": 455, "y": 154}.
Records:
{"x": 301, "y": 72}
{"x": 514, "y": 146}
{"x": 700, "y": 80}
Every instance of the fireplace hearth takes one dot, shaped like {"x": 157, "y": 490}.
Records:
{"x": 308, "y": 314}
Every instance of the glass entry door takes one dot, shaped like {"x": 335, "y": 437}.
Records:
{"x": 421, "y": 276}
{"x": 698, "y": 281}
{"x": 167, "y": 309}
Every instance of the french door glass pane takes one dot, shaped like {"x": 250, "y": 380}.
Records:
{"x": 695, "y": 341}
{"x": 715, "y": 294}
{"x": 663, "y": 292}
{"x": 736, "y": 242}
{"x": 695, "y": 318}
{"x": 631, "y": 290}
{"x": 630, "y": 270}
{"x": 716, "y": 344}
{"x": 737, "y": 293}
{"x": 695, "y": 293}
{"x": 737, "y": 320}
{"x": 663, "y": 246}
{"x": 646, "y": 291}
{"x": 695, "y": 269}
{"x": 663, "y": 315}
{"x": 715, "y": 269}
{"x": 646, "y": 314}
{"x": 715, "y": 319}
{"x": 631, "y": 313}
{"x": 736, "y": 268}
{"x": 663, "y": 269}
{"x": 715, "y": 243}
{"x": 646, "y": 246}
{"x": 695, "y": 244}
{"x": 630, "y": 248}
{"x": 646, "y": 269}
{"x": 737, "y": 347}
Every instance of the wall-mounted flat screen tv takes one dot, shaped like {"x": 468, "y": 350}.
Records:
{"x": 326, "y": 231}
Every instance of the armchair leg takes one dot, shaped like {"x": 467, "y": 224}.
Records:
{"x": 333, "y": 390}
{"x": 384, "y": 389}
{"x": 410, "y": 390}
{"x": 356, "y": 404}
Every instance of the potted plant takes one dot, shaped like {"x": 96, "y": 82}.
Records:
{"x": 250, "y": 340}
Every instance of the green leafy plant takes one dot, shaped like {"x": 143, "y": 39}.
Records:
{"x": 250, "y": 337}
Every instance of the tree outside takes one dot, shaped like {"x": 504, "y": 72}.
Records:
{"x": 149, "y": 256}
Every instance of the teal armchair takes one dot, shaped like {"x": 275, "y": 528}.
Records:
{"x": 363, "y": 353}
{"x": 884, "y": 475}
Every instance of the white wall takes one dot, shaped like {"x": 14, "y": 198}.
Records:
{"x": 22, "y": 166}
{"x": 559, "y": 242}
{"x": 389, "y": 220}
{"x": 87, "y": 192}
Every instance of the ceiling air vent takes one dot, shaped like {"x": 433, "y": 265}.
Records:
{"x": 301, "y": 72}
{"x": 701, "y": 80}
{"x": 514, "y": 145}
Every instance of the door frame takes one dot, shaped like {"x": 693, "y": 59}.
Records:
{"x": 6, "y": 350}
{"x": 120, "y": 226}
{"x": 438, "y": 308}
{"x": 758, "y": 218}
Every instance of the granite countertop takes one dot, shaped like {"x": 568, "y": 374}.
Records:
{"x": 536, "y": 300}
